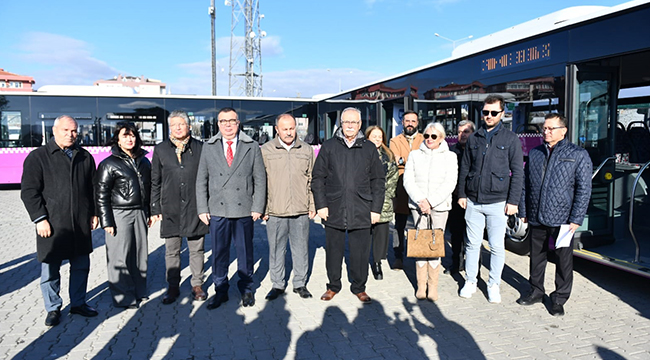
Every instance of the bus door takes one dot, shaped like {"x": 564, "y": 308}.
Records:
{"x": 591, "y": 109}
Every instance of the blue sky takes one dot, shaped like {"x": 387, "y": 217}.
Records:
{"x": 312, "y": 47}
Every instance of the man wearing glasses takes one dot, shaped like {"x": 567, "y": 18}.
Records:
{"x": 489, "y": 188}
{"x": 230, "y": 196}
{"x": 402, "y": 145}
{"x": 348, "y": 184}
{"x": 557, "y": 192}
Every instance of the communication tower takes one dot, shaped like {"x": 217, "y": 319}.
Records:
{"x": 245, "y": 72}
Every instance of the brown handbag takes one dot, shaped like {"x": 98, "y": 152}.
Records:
{"x": 425, "y": 243}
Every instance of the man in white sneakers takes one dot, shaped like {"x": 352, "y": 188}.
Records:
{"x": 489, "y": 186}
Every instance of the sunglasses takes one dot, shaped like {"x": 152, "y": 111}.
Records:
{"x": 493, "y": 112}
{"x": 432, "y": 136}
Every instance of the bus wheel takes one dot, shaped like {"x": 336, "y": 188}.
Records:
{"x": 517, "y": 235}
{"x": 518, "y": 245}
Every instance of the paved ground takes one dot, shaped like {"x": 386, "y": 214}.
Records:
{"x": 608, "y": 316}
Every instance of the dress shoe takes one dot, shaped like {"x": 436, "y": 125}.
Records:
{"x": 53, "y": 318}
{"x": 398, "y": 264}
{"x": 328, "y": 295}
{"x": 217, "y": 300}
{"x": 84, "y": 310}
{"x": 172, "y": 294}
{"x": 530, "y": 299}
{"x": 303, "y": 292}
{"x": 274, "y": 293}
{"x": 557, "y": 310}
{"x": 376, "y": 271}
{"x": 247, "y": 299}
{"x": 198, "y": 293}
{"x": 451, "y": 271}
{"x": 129, "y": 307}
{"x": 363, "y": 297}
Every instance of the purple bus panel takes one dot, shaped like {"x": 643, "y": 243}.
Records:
{"x": 12, "y": 159}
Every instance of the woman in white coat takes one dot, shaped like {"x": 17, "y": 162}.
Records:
{"x": 429, "y": 179}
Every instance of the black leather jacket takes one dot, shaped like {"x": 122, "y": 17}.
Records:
{"x": 122, "y": 182}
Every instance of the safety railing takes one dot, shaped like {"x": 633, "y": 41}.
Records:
{"x": 637, "y": 256}
{"x": 601, "y": 166}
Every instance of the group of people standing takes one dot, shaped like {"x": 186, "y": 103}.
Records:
{"x": 485, "y": 185}
{"x": 355, "y": 185}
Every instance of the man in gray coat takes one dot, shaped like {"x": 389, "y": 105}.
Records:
{"x": 230, "y": 196}
{"x": 57, "y": 190}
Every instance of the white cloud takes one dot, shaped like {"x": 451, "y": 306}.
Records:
{"x": 62, "y": 60}
{"x": 286, "y": 83}
{"x": 196, "y": 78}
{"x": 310, "y": 82}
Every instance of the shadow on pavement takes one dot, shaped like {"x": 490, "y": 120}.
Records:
{"x": 606, "y": 354}
{"x": 30, "y": 268}
{"x": 452, "y": 340}
{"x": 371, "y": 334}
{"x": 632, "y": 289}
{"x": 58, "y": 341}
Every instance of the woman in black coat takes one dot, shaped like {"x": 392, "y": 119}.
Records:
{"x": 123, "y": 187}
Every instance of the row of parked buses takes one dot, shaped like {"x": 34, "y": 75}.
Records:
{"x": 589, "y": 63}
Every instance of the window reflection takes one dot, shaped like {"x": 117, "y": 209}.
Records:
{"x": 10, "y": 128}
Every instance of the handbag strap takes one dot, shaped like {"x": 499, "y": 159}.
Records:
{"x": 417, "y": 224}
{"x": 429, "y": 222}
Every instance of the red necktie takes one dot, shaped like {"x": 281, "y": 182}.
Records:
{"x": 229, "y": 155}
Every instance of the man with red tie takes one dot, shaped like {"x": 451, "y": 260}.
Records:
{"x": 230, "y": 196}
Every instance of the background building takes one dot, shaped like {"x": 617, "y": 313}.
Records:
{"x": 14, "y": 82}
{"x": 140, "y": 85}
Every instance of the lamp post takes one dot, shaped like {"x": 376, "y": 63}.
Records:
{"x": 212, "y": 12}
{"x": 453, "y": 42}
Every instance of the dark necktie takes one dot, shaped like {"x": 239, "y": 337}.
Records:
{"x": 68, "y": 152}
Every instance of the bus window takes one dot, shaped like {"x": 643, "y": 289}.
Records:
{"x": 10, "y": 128}
{"x": 86, "y": 133}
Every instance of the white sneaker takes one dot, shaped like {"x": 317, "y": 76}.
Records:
{"x": 494, "y": 296}
{"x": 467, "y": 290}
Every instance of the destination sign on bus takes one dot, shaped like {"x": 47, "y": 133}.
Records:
{"x": 518, "y": 57}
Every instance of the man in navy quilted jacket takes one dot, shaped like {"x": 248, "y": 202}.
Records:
{"x": 557, "y": 190}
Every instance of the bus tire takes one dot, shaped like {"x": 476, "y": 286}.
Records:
{"x": 519, "y": 246}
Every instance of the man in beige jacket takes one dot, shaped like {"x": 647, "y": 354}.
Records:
{"x": 401, "y": 145}
{"x": 289, "y": 205}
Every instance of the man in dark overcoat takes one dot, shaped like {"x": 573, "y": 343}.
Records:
{"x": 173, "y": 202}
{"x": 348, "y": 183}
{"x": 57, "y": 190}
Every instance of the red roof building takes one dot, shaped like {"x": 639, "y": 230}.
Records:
{"x": 14, "y": 82}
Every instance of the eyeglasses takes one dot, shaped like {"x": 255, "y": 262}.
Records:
{"x": 349, "y": 122}
{"x": 550, "y": 129}
{"x": 493, "y": 112}
{"x": 228, "y": 121}
{"x": 432, "y": 136}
